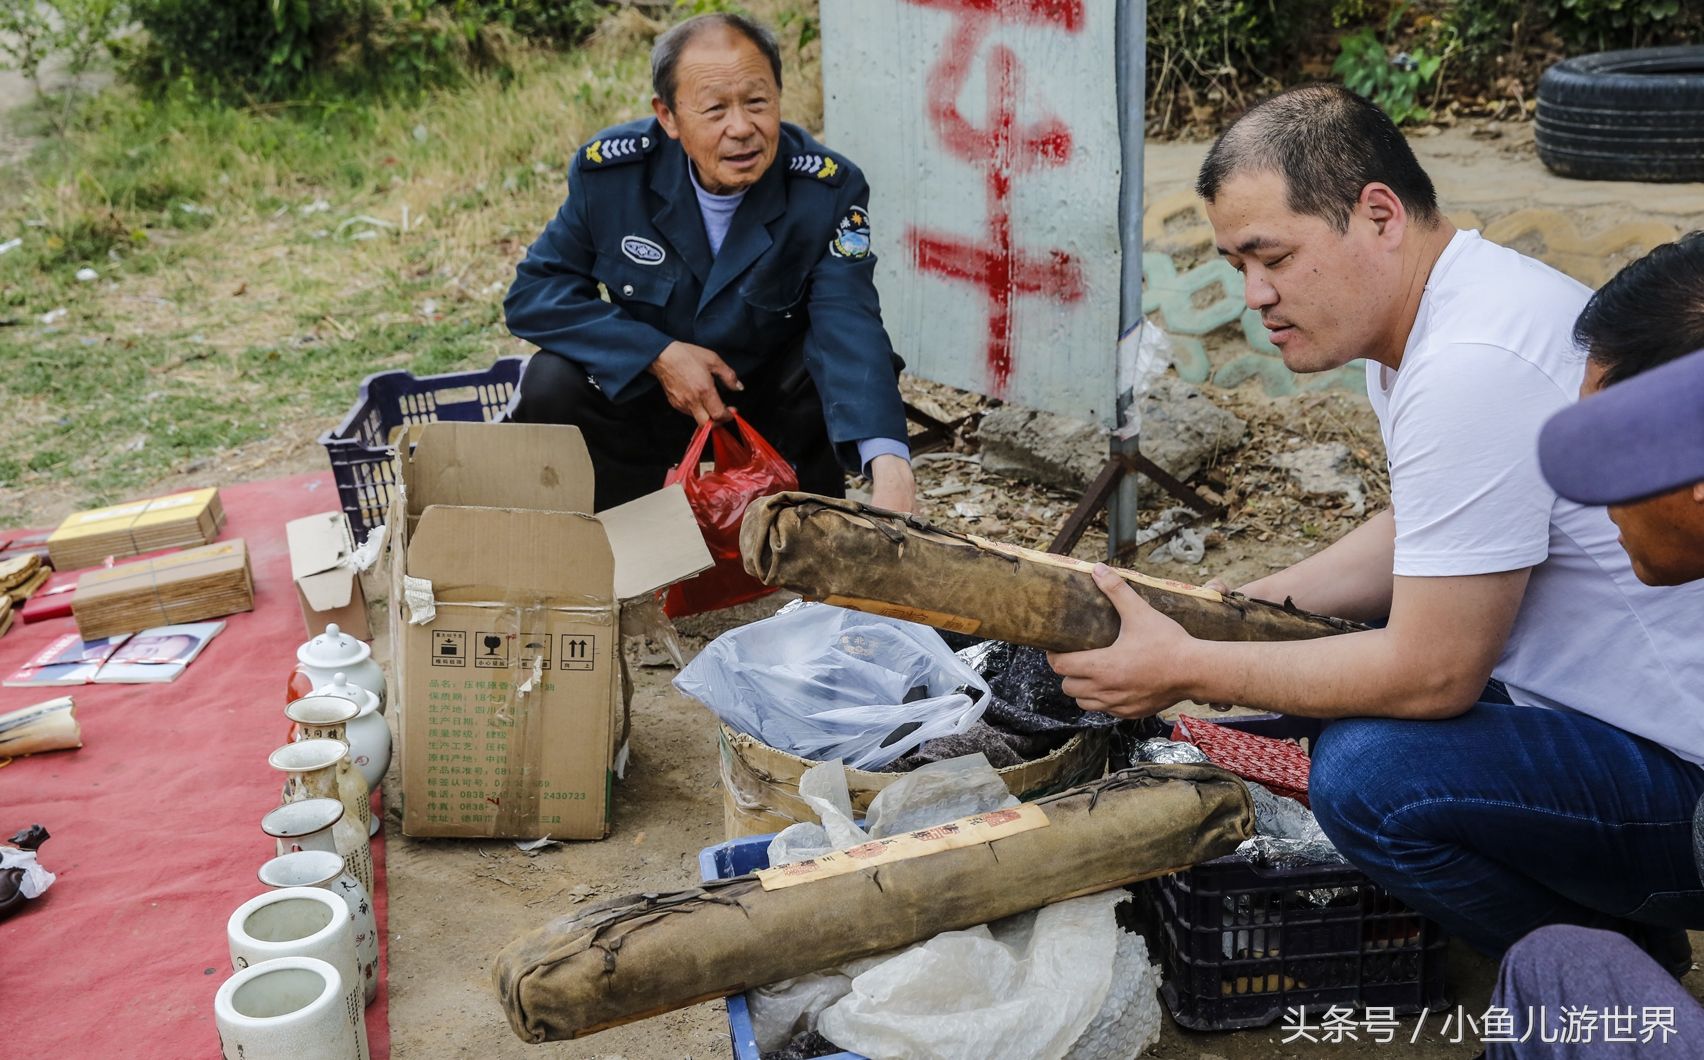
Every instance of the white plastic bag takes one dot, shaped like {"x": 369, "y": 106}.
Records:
{"x": 36, "y": 879}
{"x": 929, "y": 795}
{"x": 781, "y": 1011}
{"x": 823, "y": 682}
{"x": 823, "y": 788}
{"x": 1062, "y": 982}
{"x": 937, "y": 793}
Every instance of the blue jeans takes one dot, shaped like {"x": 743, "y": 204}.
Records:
{"x": 1508, "y": 818}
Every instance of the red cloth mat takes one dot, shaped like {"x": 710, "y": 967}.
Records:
{"x": 156, "y": 823}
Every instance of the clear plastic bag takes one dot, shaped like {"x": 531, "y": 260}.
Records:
{"x": 823, "y": 682}
{"x": 1059, "y": 982}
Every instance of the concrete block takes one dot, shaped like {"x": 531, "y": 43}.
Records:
{"x": 1182, "y": 431}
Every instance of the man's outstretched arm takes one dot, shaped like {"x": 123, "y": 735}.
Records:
{"x": 1444, "y": 637}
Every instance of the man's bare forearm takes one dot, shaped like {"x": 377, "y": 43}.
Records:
{"x": 1350, "y": 578}
{"x": 1357, "y": 674}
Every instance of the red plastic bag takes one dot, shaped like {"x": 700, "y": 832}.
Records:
{"x": 747, "y": 467}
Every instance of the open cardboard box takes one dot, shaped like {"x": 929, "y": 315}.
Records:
{"x": 328, "y": 590}
{"x": 508, "y": 605}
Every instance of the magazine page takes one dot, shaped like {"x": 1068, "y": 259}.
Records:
{"x": 66, "y": 660}
{"x": 158, "y": 654}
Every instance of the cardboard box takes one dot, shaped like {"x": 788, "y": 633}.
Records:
{"x": 327, "y": 590}
{"x": 207, "y": 582}
{"x": 508, "y": 608}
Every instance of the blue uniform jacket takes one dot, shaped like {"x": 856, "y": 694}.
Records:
{"x": 796, "y": 262}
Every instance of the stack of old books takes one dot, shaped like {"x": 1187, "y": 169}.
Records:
{"x": 187, "y": 586}
{"x": 87, "y": 538}
{"x": 20, "y": 576}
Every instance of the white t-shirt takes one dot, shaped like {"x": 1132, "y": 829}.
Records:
{"x": 1490, "y": 358}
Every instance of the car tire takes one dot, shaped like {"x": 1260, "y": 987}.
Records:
{"x": 1636, "y": 114}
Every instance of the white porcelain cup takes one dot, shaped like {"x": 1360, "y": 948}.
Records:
{"x": 324, "y": 870}
{"x": 299, "y": 922}
{"x": 289, "y": 1008}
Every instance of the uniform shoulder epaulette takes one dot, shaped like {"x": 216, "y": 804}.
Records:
{"x": 819, "y": 166}
{"x": 615, "y": 150}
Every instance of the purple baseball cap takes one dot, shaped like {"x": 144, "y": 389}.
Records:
{"x": 1631, "y": 440}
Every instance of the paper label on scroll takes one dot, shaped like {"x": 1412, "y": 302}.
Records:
{"x": 964, "y": 832}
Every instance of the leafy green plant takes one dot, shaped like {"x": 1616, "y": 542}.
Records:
{"x": 1204, "y": 55}
{"x": 1617, "y": 23}
{"x": 282, "y": 49}
{"x": 26, "y": 37}
{"x": 706, "y": 7}
{"x": 1394, "y": 82}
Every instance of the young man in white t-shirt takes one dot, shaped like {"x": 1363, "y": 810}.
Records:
{"x": 1526, "y": 728}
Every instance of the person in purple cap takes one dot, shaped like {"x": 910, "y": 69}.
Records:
{"x": 1638, "y": 449}
{"x": 1633, "y": 444}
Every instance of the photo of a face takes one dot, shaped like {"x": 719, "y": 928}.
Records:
{"x": 156, "y": 648}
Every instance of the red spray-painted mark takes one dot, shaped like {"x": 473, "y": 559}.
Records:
{"x": 1002, "y": 150}
{"x": 1067, "y": 14}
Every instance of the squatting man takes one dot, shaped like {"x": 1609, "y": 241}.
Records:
{"x": 734, "y": 251}
{"x": 1524, "y": 727}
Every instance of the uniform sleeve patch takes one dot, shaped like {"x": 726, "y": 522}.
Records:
{"x": 817, "y": 167}
{"x": 852, "y": 235}
{"x": 615, "y": 150}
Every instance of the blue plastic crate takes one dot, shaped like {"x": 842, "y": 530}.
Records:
{"x": 737, "y": 857}
{"x": 360, "y": 446}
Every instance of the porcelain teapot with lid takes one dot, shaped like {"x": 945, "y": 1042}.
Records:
{"x": 369, "y": 736}
{"x": 321, "y": 659}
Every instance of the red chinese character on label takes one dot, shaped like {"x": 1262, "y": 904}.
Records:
{"x": 1003, "y": 150}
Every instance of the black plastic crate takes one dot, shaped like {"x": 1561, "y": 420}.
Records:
{"x": 1238, "y": 945}
{"x": 360, "y": 446}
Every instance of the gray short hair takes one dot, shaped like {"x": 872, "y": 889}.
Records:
{"x": 665, "y": 54}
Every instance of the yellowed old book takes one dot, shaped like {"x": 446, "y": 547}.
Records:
{"x": 49, "y": 726}
{"x": 179, "y": 519}
{"x": 199, "y": 583}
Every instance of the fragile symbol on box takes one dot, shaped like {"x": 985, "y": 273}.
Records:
{"x": 449, "y": 648}
{"x": 578, "y": 650}
{"x": 536, "y": 648}
{"x": 493, "y": 651}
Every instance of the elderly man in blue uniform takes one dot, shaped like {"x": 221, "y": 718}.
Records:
{"x": 734, "y": 251}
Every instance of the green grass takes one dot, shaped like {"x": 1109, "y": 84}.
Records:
{"x": 236, "y": 305}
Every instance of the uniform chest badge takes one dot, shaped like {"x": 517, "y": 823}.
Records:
{"x": 852, "y": 235}
{"x": 642, "y": 251}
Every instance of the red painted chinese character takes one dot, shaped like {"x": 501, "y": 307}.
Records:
{"x": 1002, "y": 150}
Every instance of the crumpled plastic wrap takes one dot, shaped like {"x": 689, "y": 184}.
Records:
{"x": 782, "y": 1013}
{"x": 936, "y": 793}
{"x": 1049, "y": 984}
{"x": 1176, "y": 752}
{"x": 1028, "y": 715}
{"x": 35, "y": 880}
{"x": 1286, "y": 833}
{"x": 930, "y": 795}
{"x": 1063, "y": 982}
{"x": 1026, "y": 694}
{"x": 823, "y": 682}
{"x": 1001, "y": 747}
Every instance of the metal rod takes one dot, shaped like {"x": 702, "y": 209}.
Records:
{"x": 1123, "y": 511}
